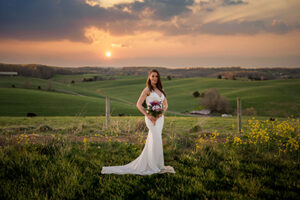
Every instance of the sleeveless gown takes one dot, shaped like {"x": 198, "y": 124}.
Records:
{"x": 151, "y": 160}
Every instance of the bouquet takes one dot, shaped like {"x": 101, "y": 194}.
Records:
{"x": 155, "y": 108}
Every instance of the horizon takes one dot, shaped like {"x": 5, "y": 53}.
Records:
{"x": 167, "y": 67}
{"x": 170, "y": 34}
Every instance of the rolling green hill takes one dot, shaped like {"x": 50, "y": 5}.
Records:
{"x": 18, "y": 101}
{"x": 279, "y": 98}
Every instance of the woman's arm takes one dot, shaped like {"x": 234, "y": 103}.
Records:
{"x": 165, "y": 105}
{"x": 140, "y": 101}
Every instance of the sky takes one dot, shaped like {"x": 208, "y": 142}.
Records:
{"x": 169, "y": 33}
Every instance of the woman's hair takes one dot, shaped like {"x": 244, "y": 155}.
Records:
{"x": 158, "y": 84}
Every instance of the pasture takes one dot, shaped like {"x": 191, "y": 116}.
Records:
{"x": 60, "y": 153}
{"x": 59, "y": 97}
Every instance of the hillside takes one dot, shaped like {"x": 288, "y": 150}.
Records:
{"x": 269, "y": 98}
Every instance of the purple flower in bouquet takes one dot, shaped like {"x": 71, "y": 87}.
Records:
{"x": 155, "y": 108}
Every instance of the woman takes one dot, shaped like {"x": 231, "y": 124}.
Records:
{"x": 151, "y": 160}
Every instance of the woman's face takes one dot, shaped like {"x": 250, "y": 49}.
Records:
{"x": 153, "y": 77}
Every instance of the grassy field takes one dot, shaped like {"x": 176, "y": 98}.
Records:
{"x": 60, "y": 153}
{"x": 277, "y": 98}
{"x": 62, "y": 157}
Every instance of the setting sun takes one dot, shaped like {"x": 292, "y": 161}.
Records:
{"x": 108, "y": 54}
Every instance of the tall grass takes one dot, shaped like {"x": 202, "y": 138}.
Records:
{"x": 209, "y": 161}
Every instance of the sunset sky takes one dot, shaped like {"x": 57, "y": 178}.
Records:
{"x": 174, "y": 33}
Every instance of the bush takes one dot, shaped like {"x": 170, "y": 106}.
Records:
{"x": 230, "y": 76}
{"x": 195, "y": 128}
{"x": 196, "y": 94}
{"x": 215, "y": 102}
{"x": 249, "y": 111}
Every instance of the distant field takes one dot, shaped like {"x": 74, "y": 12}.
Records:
{"x": 280, "y": 98}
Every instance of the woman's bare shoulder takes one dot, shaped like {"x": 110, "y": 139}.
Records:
{"x": 147, "y": 91}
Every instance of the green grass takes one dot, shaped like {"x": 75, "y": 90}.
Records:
{"x": 63, "y": 167}
{"x": 18, "y": 101}
{"x": 277, "y": 98}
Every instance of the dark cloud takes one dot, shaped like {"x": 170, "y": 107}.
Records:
{"x": 233, "y": 2}
{"x": 163, "y": 9}
{"x": 212, "y": 5}
{"x": 53, "y": 19}
{"x": 66, "y": 19}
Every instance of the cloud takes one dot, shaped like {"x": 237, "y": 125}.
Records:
{"x": 244, "y": 27}
{"x": 69, "y": 19}
{"x": 157, "y": 9}
{"x": 53, "y": 19}
{"x": 233, "y": 2}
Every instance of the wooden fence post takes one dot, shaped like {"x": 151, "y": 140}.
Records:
{"x": 239, "y": 114}
{"x": 107, "y": 111}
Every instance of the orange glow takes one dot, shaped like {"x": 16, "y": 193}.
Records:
{"x": 108, "y": 54}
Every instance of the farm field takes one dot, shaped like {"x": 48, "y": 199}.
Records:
{"x": 58, "y": 97}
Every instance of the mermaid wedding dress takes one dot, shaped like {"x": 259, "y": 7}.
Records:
{"x": 151, "y": 160}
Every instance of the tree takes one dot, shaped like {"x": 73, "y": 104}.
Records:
{"x": 229, "y": 75}
{"x": 196, "y": 94}
{"x": 215, "y": 102}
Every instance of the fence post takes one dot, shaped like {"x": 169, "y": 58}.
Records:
{"x": 239, "y": 114}
{"x": 107, "y": 111}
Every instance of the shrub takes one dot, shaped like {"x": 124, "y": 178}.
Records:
{"x": 230, "y": 76}
{"x": 195, "y": 128}
{"x": 196, "y": 94}
{"x": 278, "y": 136}
{"x": 215, "y": 102}
{"x": 249, "y": 111}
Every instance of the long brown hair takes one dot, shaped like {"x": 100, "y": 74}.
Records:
{"x": 158, "y": 84}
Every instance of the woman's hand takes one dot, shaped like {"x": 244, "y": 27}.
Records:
{"x": 159, "y": 116}
{"x": 152, "y": 118}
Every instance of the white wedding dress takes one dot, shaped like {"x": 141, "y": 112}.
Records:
{"x": 151, "y": 160}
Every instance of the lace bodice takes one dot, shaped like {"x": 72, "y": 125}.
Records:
{"x": 154, "y": 97}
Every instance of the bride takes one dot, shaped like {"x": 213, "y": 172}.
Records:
{"x": 151, "y": 160}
